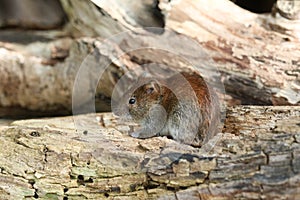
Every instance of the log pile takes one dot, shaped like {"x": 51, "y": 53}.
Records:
{"x": 255, "y": 56}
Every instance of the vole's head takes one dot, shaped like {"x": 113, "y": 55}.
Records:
{"x": 143, "y": 98}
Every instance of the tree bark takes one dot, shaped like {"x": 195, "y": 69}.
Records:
{"x": 29, "y": 14}
{"x": 91, "y": 156}
{"x": 257, "y": 55}
{"x": 257, "y": 157}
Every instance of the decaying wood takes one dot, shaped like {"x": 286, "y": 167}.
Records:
{"x": 257, "y": 157}
{"x": 257, "y": 55}
{"x": 288, "y": 9}
{"x": 37, "y": 14}
{"x": 92, "y": 156}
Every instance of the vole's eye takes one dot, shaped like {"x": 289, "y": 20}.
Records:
{"x": 132, "y": 100}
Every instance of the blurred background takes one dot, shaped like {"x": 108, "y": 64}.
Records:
{"x": 42, "y": 43}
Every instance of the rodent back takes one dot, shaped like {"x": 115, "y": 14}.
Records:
{"x": 191, "y": 106}
{"x": 209, "y": 106}
{"x": 182, "y": 87}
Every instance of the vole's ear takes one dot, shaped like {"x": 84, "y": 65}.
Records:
{"x": 152, "y": 86}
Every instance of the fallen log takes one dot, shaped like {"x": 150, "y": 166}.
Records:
{"x": 257, "y": 156}
{"x": 257, "y": 56}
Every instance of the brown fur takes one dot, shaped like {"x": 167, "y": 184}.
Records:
{"x": 190, "y": 111}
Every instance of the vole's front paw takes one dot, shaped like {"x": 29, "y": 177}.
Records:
{"x": 135, "y": 134}
{"x": 142, "y": 134}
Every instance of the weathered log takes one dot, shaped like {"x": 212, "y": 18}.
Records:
{"x": 28, "y": 14}
{"x": 288, "y": 9}
{"x": 257, "y": 157}
{"x": 268, "y": 76}
{"x": 30, "y": 81}
{"x": 257, "y": 55}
